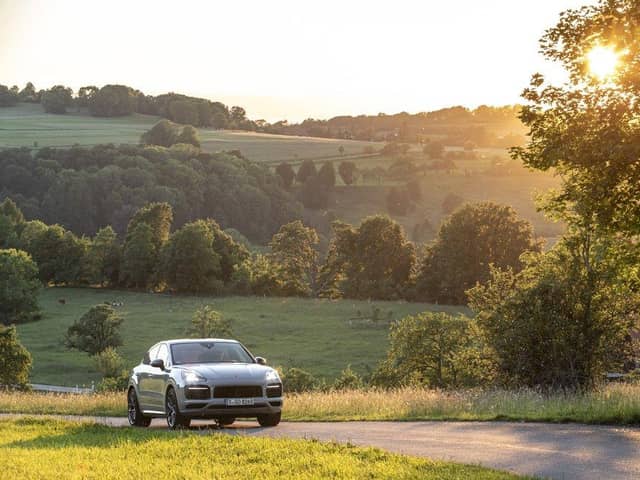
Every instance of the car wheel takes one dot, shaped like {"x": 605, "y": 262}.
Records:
{"x": 270, "y": 420}
{"x": 226, "y": 421}
{"x": 174, "y": 418}
{"x": 134, "y": 414}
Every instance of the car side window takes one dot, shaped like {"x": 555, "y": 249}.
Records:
{"x": 151, "y": 354}
{"x": 163, "y": 354}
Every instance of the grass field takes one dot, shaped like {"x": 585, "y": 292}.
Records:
{"x": 616, "y": 404}
{"x": 27, "y": 123}
{"x": 52, "y": 449}
{"x": 312, "y": 334}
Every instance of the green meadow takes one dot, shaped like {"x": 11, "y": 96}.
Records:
{"x": 321, "y": 336}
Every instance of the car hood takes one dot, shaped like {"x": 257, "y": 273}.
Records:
{"x": 246, "y": 372}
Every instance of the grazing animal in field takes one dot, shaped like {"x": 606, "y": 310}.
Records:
{"x": 62, "y": 301}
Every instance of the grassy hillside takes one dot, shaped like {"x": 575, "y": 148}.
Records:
{"x": 27, "y": 123}
{"x": 49, "y": 449}
{"x": 317, "y": 335}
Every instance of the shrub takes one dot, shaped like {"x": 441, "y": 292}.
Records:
{"x": 15, "y": 360}
{"x": 348, "y": 380}
{"x": 208, "y": 323}
{"x": 95, "y": 331}
{"x": 296, "y": 380}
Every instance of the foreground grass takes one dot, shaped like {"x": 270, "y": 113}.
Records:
{"x": 45, "y": 448}
{"x": 614, "y": 404}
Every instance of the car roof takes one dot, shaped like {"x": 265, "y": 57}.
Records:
{"x": 196, "y": 340}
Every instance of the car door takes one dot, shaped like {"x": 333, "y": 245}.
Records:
{"x": 158, "y": 379}
{"x": 145, "y": 396}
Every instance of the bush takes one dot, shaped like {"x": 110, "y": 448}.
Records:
{"x": 208, "y": 323}
{"x": 109, "y": 363}
{"x": 19, "y": 287}
{"x": 114, "y": 384}
{"x": 95, "y": 331}
{"x": 15, "y": 360}
{"x": 296, "y": 380}
{"x": 348, "y": 380}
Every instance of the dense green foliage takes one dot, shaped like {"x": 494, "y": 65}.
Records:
{"x": 19, "y": 287}
{"x": 560, "y": 323}
{"x": 97, "y": 330}
{"x": 165, "y": 133}
{"x": 15, "y": 360}
{"x": 57, "y": 99}
{"x": 469, "y": 241}
{"x": 433, "y": 349}
{"x": 374, "y": 260}
{"x": 85, "y": 189}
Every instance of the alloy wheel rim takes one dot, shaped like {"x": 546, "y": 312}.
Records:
{"x": 132, "y": 407}
{"x": 171, "y": 414}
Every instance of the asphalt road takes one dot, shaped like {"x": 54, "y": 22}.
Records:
{"x": 566, "y": 451}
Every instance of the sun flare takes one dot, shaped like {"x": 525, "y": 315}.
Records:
{"x": 603, "y": 61}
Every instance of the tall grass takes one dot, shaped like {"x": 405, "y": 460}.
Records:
{"x": 612, "y": 404}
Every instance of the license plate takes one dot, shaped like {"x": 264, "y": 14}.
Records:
{"x": 235, "y": 402}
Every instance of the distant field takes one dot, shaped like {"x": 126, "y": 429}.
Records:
{"x": 312, "y": 334}
{"x": 26, "y": 123}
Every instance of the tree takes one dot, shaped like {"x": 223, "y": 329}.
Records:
{"x": 307, "y": 169}
{"x": 113, "y": 101}
{"x": 163, "y": 133}
{"x": 286, "y": 173}
{"x": 19, "y": 287}
{"x": 347, "y": 171}
{"x": 429, "y": 349}
{"x": 86, "y": 95}
{"x": 102, "y": 262}
{"x": 11, "y": 222}
{"x": 57, "y": 99}
{"x": 159, "y": 216}
{"x": 29, "y": 94}
{"x": 398, "y": 201}
{"x": 208, "y": 323}
{"x": 373, "y": 261}
{"x": 293, "y": 253}
{"x": 7, "y": 97}
{"x": 586, "y": 129}
{"x": 15, "y": 360}
{"x": 139, "y": 257}
{"x": 185, "y": 112}
{"x": 469, "y": 241}
{"x": 189, "y": 135}
{"x": 314, "y": 194}
{"x": 327, "y": 175}
{"x": 557, "y": 324}
{"x": 189, "y": 260}
{"x": 97, "y": 330}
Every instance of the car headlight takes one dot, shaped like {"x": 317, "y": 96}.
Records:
{"x": 190, "y": 376}
{"x": 272, "y": 376}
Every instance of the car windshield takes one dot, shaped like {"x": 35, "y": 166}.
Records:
{"x": 209, "y": 352}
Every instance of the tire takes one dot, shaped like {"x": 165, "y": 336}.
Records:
{"x": 134, "y": 414}
{"x": 226, "y": 421}
{"x": 269, "y": 420}
{"x": 174, "y": 418}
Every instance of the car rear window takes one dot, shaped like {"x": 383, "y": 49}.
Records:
{"x": 209, "y": 352}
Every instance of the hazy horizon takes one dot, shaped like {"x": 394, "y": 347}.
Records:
{"x": 286, "y": 61}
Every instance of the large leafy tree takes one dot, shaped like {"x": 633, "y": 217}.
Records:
{"x": 102, "y": 262}
{"x": 139, "y": 258}
{"x": 19, "y": 287}
{"x": 588, "y": 129}
{"x": 95, "y": 331}
{"x": 294, "y": 254}
{"x": 374, "y": 260}
{"x": 558, "y": 323}
{"x": 15, "y": 360}
{"x": 286, "y": 173}
{"x": 159, "y": 216}
{"x": 57, "y": 99}
{"x": 469, "y": 241}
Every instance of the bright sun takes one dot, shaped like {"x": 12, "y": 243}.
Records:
{"x": 603, "y": 61}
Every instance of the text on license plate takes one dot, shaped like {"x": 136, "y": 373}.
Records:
{"x": 234, "y": 402}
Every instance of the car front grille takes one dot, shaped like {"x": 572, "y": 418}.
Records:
{"x": 237, "y": 391}
{"x": 274, "y": 390}
{"x": 197, "y": 392}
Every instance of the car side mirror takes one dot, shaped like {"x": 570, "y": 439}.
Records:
{"x": 158, "y": 363}
{"x": 261, "y": 360}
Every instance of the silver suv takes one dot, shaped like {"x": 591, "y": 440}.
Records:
{"x": 203, "y": 378}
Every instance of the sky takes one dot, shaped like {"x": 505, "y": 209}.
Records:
{"x": 283, "y": 59}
